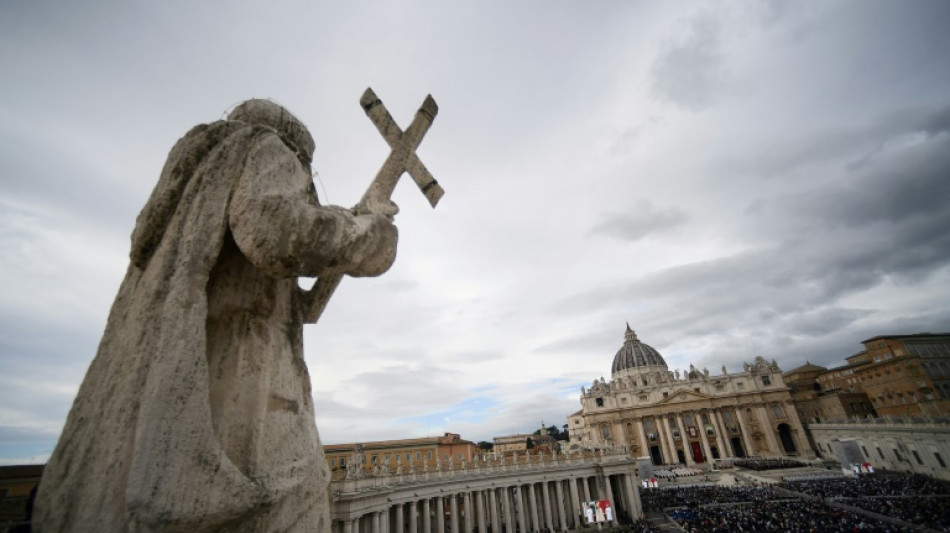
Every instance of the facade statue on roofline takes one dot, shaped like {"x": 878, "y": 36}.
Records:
{"x": 196, "y": 413}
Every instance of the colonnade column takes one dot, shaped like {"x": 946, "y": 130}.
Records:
{"x": 348, "y": 526}
{"x": 481, "y": 516}
{"x": 467, "y": 503}
{"x": 575, "y": 503}
{"x": 687, "y": 450}
{"x": 376, "y": 521}
{"x": 454, "y": 509}
{"x": 413, "y": 517}
{"x": 522, "y": 511}
{"x": 426, "y": 516}
{"x": 506, "y": 508}
{"x": 546, "y": 505}
{"x": 533, "y": 505}
{"x": 559, "y": 494}
{"x": 440, "y": 515}
{"x": 399, "y": 518}
{"x": 493, "y": 506}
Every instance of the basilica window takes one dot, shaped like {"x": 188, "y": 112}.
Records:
{"x": 766, "y": 380}
{"x": 778, "y": 411}
{"x": 600, "y": 402}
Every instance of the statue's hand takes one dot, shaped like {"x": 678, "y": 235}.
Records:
{"x": 382, "y": 237}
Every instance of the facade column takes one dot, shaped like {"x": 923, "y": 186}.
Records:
{"x": 440, "y": 515}
{"x": 769, "y": 431}
{"x": 644, "y": 443}
{"x": 426, "y": 516}
{"x": 454, "y": 509}
{"x": 702, "y": 437}
{"x": 687, "y": 449}
{"x": 799, "y": 436}
{"x": 744, "y": 431}
{"x": 559, "y": 495}
{"x": 611, "y": 499}
{"x": 720, "y": 440}
{"x": 575, "y": 506}
{"x": 633, "y": 497}
{"x": 673, "y": 458}
{"x": 399, "y": 518}
{"x": 663, "y": 436}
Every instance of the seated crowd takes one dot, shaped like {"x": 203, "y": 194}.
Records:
{"x": 818, "y": 503}
{"x": 753, "y": 463}
{"x": 674, "y": 471}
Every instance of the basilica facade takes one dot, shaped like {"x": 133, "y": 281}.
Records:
{"x": 692, "y": 419}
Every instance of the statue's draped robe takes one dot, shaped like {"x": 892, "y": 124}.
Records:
{"x": 196, "y": 413}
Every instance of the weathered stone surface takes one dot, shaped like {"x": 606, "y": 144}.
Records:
{"x": 196, "y": 413}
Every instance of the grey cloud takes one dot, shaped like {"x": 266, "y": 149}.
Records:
{"x": 688, "y": 72}
{"x": 642, "y": 220}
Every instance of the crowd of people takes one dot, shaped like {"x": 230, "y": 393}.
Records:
{"x": 675, "y": 471}
{"x": 767, "y": 463}
{"x": 786, "y": 516}
{"x": 870, "y": 485}
{"x": 808, "y": 504}
{"x": 658, "y": 500}
{"x": 916, "y": 499}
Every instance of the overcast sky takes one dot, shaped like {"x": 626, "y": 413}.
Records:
{"x": 731, "y": 178}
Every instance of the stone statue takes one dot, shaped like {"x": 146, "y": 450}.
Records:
{"x": 356, "y": 464}
{"x": 196, "y": 413}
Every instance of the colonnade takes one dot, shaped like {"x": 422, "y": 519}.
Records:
{"x": 499, "y": 501}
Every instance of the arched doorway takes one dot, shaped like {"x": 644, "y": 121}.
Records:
{"x": 785, "y": 434}
{"x": 737, "y": 446}
{"x": 656, "y": 456}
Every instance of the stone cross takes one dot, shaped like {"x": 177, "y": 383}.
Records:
{"x": 402, "y": 158}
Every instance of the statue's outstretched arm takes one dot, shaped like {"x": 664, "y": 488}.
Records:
{"x": 280, "y": 227}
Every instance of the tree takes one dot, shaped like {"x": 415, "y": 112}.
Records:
{"x": 485, "y": 445}
{"x": 555, "y": 432}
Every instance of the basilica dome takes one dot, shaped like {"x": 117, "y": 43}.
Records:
{"x": 635, "y": 355}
